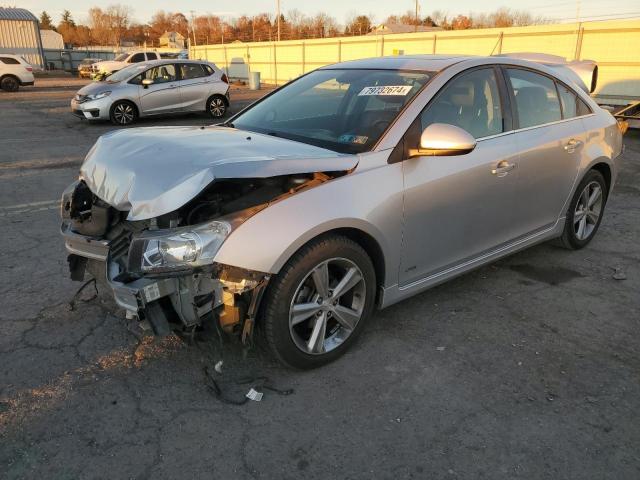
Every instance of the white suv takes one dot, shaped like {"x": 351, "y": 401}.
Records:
{"x": 14, "y": 72}
{"x": 107, "y": 67}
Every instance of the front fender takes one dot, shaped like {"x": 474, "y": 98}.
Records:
{"x": 369, "y": 200}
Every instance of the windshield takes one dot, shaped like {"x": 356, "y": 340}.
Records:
{"x": 125, "y": 73}
{"x": 342, "y": 110}
{"x": 121, "y": 58}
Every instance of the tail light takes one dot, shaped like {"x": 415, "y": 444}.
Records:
{"x": 224, "y": 78}
{"x": 29, "y": 69}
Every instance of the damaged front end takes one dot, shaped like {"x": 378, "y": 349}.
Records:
{"x": 162, "y": 270}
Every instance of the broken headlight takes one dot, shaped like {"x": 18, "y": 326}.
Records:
{"x": 158, "y": 251}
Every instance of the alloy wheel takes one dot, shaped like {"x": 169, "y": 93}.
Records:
{"x": 123, "y": 113}
{"x": 327, "y": 306}
{"x": 588, "y": 210}
{"x": 217, "y": 107}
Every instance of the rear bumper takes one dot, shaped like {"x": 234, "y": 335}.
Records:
{"x": 27, "y": 84}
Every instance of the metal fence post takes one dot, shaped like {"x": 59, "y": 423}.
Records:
{"x": 275, "y": 64}
{"x": 226, "y": 61}
{"x": 435, "y": 40}
{"x": 303, "y": 58}
{"x": 339, "y": 50}
{"x": 500, "y": 43}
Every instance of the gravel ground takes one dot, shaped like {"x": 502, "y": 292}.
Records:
{"x": 527, "y": 368}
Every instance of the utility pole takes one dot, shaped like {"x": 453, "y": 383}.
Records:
{"x": 193, "y": 27}
{"x": 577, "y": 11}
{"x": 278, "y": 9}
{"x": 415, "y": 27}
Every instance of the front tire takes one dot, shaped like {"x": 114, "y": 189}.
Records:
{"x": 10, "y": 84}
{"x": 217, "y": 106}
{"x": 123, "y": 113}
{"x": 585, "y": 211}
{"x": 318, "y": 304}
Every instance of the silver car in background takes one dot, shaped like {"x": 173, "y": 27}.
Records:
{"x": 155, "y": 88}
{"x": 353, "y": 187}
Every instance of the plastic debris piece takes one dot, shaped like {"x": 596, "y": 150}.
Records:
{"x": 619, "y": 274}
{"x": 254, "y": 395}
{"x": 440, "y": 349}
{"x": 218, "y": 367}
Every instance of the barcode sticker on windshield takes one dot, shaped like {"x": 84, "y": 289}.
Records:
{"x": 386, "y": 90}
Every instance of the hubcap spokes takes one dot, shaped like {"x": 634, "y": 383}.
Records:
{"x": 124, "y": 114}
{"x": 587, "y": 212}
{"x": 217, "y": 107}
{"x": 327, "y": 306}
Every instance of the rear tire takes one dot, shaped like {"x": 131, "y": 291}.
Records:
{"x": 217, "y": 106}
{"x": 123, "y": 113}
{"x": 10, "y": 84}
{"x": 585, "y": 211}
{"x": 307, "y": 325}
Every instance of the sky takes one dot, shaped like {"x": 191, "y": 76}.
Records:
{"x": 563, "y": 10}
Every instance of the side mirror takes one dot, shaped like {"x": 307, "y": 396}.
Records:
{"x": 442, "y": 139}
{"x": 146, "y": 82}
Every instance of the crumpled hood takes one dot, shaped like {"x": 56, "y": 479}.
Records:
{"x": 156, "y": 170}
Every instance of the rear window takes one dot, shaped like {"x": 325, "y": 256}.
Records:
{"x": 536, "y": 98}
{"x": 191, "y": 70}
{"x": 9, "y": 61}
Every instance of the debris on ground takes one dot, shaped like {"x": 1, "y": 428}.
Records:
{"x": 619, "y": 274}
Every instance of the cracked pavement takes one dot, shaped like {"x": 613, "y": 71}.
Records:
{"x": 527, "y": 368}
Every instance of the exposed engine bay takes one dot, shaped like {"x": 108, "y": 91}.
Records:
{"x": 104, "y": 243}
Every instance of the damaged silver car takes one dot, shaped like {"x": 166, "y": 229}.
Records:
{"x": 353, "y": 187}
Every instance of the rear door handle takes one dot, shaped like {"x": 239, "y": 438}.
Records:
{"x": 572, "y": 144}
{"x": 503, "y": 168}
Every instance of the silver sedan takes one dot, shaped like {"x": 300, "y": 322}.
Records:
{"x": 353, "y": 187}
{"x": 154, "y": 88}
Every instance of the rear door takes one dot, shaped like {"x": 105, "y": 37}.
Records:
{"x": 163, "y": 96}
{"x": 550, "y": 140}
{"x": 195, "y": 84}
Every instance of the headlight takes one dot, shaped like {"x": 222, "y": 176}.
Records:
{"x": 177, "y": 249}
{"x": 98, "y": 96}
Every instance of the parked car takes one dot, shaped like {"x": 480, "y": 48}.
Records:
{"x": 104, "y": 68}
{"x": 15, "y": 72}
{"x": 154, "y": 88}
{"x": 353, "y": 187}
{"x": 85, "y": 67}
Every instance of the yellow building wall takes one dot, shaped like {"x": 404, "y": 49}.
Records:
{"x": 615, "y": 45}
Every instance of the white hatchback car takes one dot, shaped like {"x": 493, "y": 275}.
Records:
{"x": 155, "y": 88}
{"x": 15, "y": 72}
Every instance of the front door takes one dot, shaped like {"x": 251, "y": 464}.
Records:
{"x": 459, "y": 207}
{"x": 163, "y": 96}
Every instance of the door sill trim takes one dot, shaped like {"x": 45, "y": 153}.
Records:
{"x": 477, "y": 259}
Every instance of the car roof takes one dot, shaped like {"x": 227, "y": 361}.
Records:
{"x": 426, "y": 63}
{"x": 163, "y": 61}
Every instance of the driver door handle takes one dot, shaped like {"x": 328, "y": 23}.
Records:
{"x": 503, "y": 168}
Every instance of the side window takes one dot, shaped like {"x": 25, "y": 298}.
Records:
{"x": 471, "y": 101}
{"x": 138, "y": 57}
{"x": 162, "y": 73}
{"x": 583, "y": 108}
{"x": 152, "y": 56}
{"x": 569, "y": 101}
{"x": 9, "y": 61}
{"x": 536, "y": 98}
{"x": 191, "y": 70}
{"x": 208, "y": 69}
